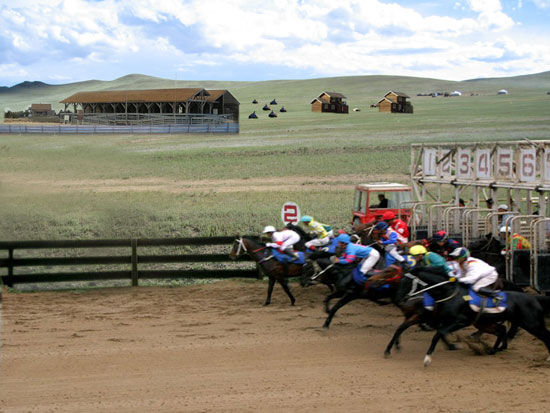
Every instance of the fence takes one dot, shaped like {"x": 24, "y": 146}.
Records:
{"x": 132, "y": 257}
{"x": 229, "y": 127}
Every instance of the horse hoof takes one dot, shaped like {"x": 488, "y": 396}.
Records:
{"x": 548, "y": 359}
{"x": 387, "y": 354}
{"x": 292, "y": 302}
{"x": 325, "y": 328}
{"x": 266, "y": 303}
{"x": 452, "y": 347}
{"x": 427, "y": 361}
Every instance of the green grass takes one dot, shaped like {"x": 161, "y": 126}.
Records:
{"x": 360, "y": 146}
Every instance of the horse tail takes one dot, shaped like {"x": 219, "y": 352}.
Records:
{"x": 544, "y": 301}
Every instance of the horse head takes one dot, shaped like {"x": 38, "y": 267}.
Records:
{"x": 239, "y": 248}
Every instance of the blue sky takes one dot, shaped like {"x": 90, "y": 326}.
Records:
{"x": 57, "y": 41}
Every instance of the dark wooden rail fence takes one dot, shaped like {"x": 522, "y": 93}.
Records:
{"x": 137, "y": 255}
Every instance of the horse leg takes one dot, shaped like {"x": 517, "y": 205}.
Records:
{"x": 269, "y": 290}
{"x": 284, "y": 284}
{"x": 343, "y": 301}
{"x": 335, "y": 294}
{"x": 439, "y": 334}
{"x": 396, "y": 336}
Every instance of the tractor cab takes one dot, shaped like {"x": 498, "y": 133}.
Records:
{"x": 372, "y": 200}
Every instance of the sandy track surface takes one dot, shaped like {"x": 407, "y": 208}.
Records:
{"x": 215, "y": 348}
{"x": 261, "y": 184}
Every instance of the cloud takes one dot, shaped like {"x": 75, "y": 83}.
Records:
{"x": 92, "y": 38}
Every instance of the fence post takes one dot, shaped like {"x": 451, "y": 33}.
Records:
{"x": 134, "y": 263}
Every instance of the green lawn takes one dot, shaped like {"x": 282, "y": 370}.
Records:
{"x": 296, "y": 147}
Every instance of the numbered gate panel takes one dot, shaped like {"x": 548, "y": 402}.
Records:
{"x": 520, "y": 268}
{"x": 543, "y": 268}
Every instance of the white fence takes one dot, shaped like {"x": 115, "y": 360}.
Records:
{"x": 229, "y": 127}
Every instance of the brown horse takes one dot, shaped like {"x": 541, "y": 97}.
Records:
{"x": 275, "y": 270}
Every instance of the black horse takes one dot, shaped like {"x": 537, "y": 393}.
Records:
{"x": 454, "y": 312}
{"x": 348, "y": 290}
{"x": 275, "y": 270}
{"x": 489, "y": 250}
{"x": 410, "y": 302}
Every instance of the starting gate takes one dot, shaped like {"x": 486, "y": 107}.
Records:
{"x": 515, "y": 173}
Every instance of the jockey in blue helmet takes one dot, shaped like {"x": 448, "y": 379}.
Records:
{"x": 389, "y": 238}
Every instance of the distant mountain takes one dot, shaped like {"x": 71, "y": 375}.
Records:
{"x": 26, "y": 85}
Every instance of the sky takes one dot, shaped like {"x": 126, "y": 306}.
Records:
{"x": 65, "y": 41}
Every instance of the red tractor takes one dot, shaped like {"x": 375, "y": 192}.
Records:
{"x": 372, "y": 200}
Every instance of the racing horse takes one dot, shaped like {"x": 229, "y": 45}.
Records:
{"x": 275, "y": 270}
{"x": 454, "y": 312}
{"x": 347, "y": 289}
{"x": 410, "y": 303}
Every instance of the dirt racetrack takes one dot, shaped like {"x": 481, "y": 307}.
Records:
{"x": 215, "y": 348}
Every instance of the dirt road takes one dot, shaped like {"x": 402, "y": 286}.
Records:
{"x": 215, "y": 348}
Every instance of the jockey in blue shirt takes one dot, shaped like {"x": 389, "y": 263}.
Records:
{"x": 390, "y": 239}
{"x": 367, "y": 256}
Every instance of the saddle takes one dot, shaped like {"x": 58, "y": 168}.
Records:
{"x": 485, "y": 304}
{"x": 287, "y": 259}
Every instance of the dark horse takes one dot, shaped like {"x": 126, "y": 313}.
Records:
{"x": 489, "y": 250}
{"x": 410, "y": 302}
{"x": 275, "y": 270}
{"x": 454, "y": 312}
{"x": 348, "y": 290}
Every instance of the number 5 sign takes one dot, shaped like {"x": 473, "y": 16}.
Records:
{"x": 290, "y": 213}
{"x": 528, "y": 165}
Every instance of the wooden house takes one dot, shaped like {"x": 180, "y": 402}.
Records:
{"x": 395, "y": 102}
{"x": 42, "y": 109}
{"x": 329, "y": 102}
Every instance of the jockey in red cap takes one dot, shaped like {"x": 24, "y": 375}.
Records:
{"x": 397, "y": 224}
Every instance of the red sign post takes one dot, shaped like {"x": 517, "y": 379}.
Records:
{"x": 290, "y": 213}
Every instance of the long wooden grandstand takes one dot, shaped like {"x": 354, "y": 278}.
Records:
{"x": 152, "y": 107}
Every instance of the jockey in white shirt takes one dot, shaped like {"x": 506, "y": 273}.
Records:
{"x": 282, "y": 240}
{"x": 475, "y": 272}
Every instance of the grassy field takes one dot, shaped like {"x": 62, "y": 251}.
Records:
{"x": 58, "y": 187}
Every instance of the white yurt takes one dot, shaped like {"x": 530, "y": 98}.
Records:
{"x": 455, "y": 93}
{"x": 502, "y": 92}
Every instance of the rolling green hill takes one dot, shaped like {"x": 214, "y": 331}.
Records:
{"x": 94, "y": 186}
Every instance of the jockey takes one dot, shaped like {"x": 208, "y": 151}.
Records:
{"x": 441, "y": 244}
{"x": 367, "y": 256}
{"x": 476, "y": 272}
{"x": 282, "y": 240}
{"x": 517, "y": 241}
{"x": 429, "y": 259}
{"x": 390, "y": 239}
{"x": 397, "y": 224}
{"x": 323, "y": 233}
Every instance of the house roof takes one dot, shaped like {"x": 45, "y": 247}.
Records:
{"x": 216, "y": 94}
{"x": 146, "y": 95}
{"x": 385, "y": 99}
{"x": 384, "y": 186}
{"x": 333, "y": 95}
{"x": 403, "y": 95}
{"x": 41, "y": 106}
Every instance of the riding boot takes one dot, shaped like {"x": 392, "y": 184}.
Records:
{"x": 488, "y": 292}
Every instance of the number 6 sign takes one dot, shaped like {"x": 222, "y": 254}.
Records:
{"x": 527, "y": 165}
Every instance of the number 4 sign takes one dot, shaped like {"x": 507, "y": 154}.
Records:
{"x": 483, "y": 164}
